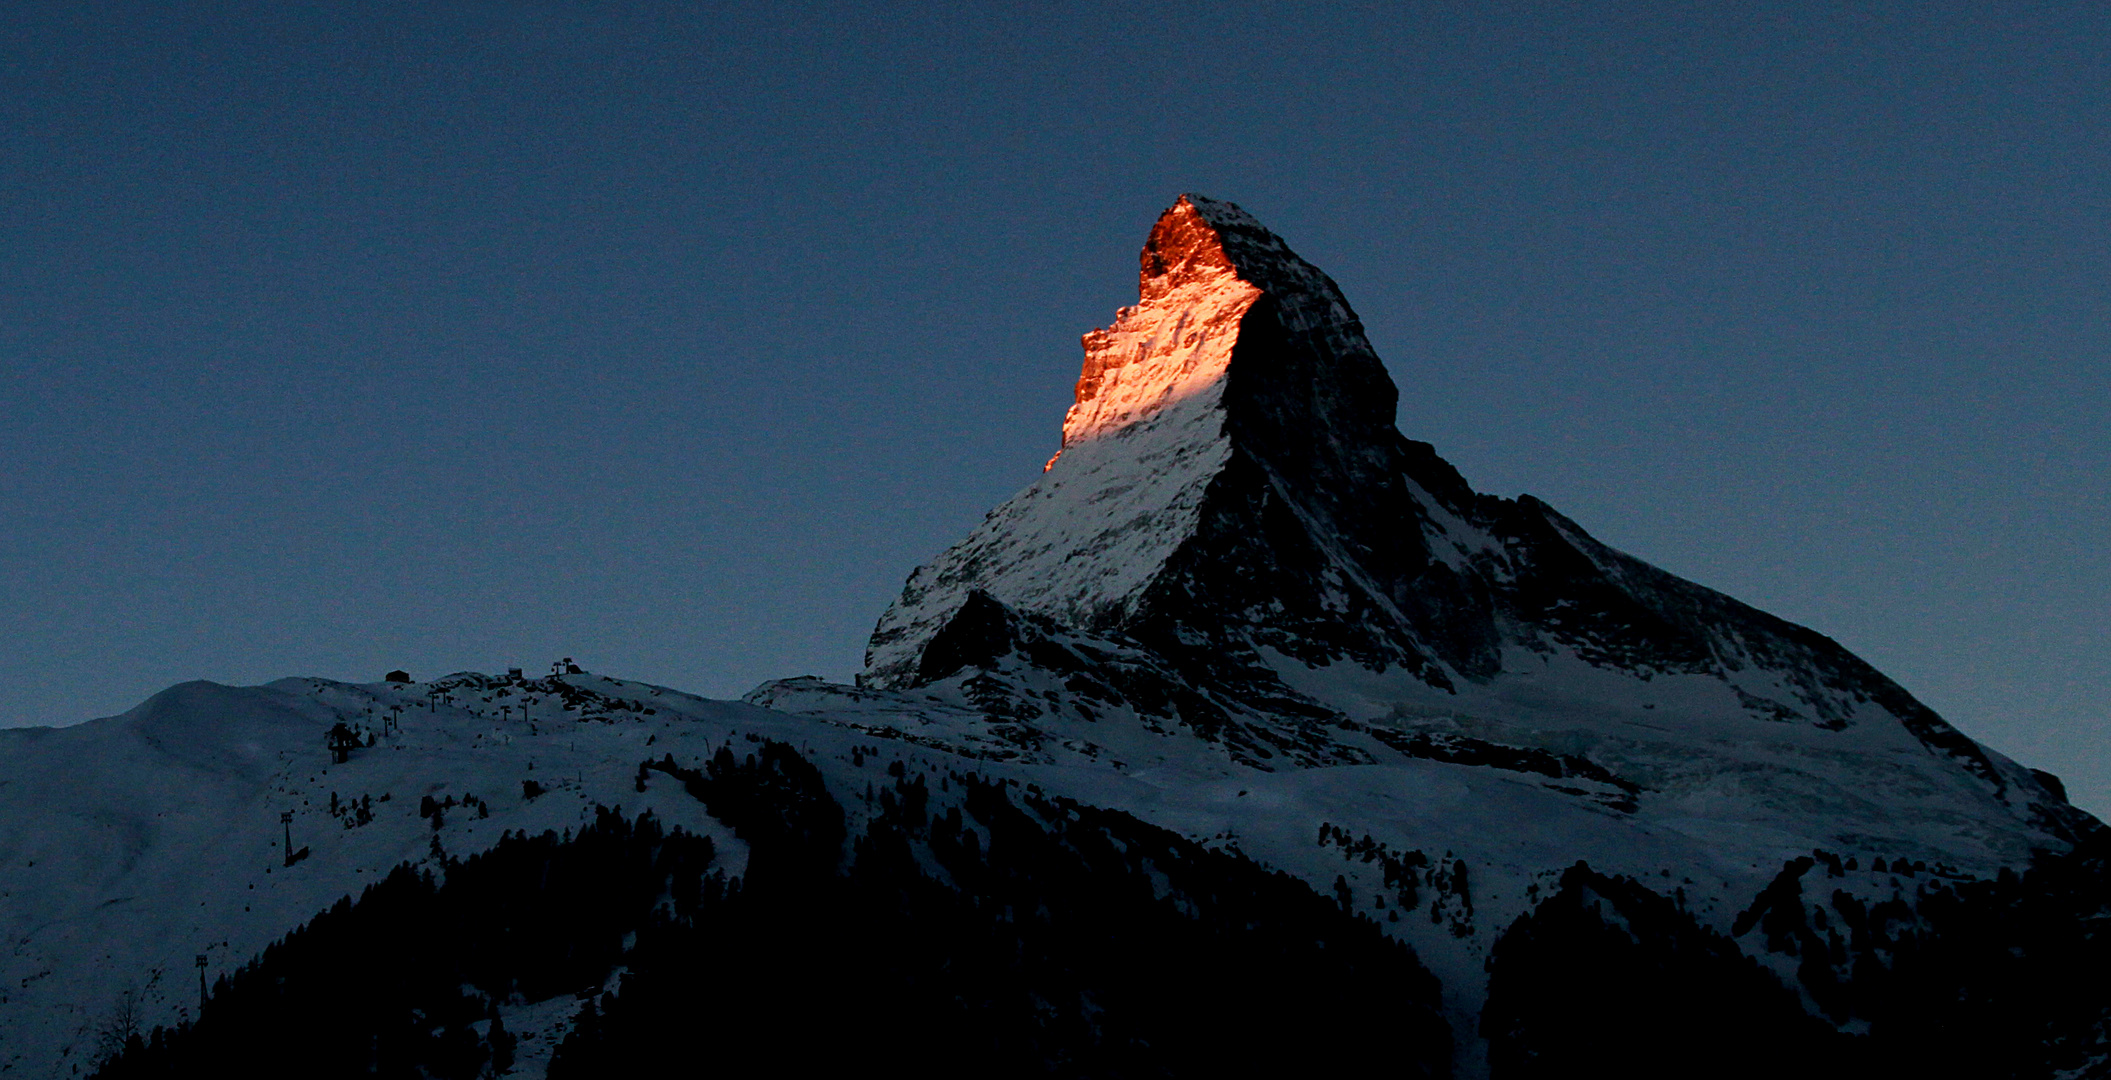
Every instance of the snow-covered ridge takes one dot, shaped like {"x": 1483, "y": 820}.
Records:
{"x": 1234, "y": 515}
{"x": 131, "y": 845}
{"x": 1151, "y": 431}
{"x": 1140, "y": 446}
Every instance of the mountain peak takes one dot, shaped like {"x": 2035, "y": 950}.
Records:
{"x": 1203, "y": 270}
{"x": 1190, "y": 240}
{"x": 1234, "y": 515}
{"x": 1175, "y": 342}
{"x": 1237, "y": 355}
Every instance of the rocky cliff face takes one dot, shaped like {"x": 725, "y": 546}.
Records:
{"x": 1235, "y": 528}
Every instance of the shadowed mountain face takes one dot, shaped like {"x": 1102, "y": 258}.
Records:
{"x": 1234, "y": 512}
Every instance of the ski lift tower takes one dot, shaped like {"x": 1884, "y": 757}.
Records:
{"x": 342, "y": 740}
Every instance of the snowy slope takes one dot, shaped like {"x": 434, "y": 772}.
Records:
{"x": 1238, "y": 604}
{"x": 1139, "y": 449}
{"x": 130, "y": 845}
{"x": 1235, "y": 517}
{"x": 1319, "y": 612}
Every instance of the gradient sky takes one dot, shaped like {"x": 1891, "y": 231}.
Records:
{"x": 342, "y": 337}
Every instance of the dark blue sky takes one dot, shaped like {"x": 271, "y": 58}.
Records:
{"x": 335, "y": 338}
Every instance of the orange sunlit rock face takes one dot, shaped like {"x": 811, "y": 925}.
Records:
{"x": 1174, "y": 344}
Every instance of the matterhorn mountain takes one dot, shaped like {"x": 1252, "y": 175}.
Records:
{"x": 1249, "y": 737}
{"x": 1234, "y": 509}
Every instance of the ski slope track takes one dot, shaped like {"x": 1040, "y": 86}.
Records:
{"x": 1238, "y": 604}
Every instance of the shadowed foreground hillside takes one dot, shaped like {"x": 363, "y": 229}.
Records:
{"x": 986, "y": 931}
